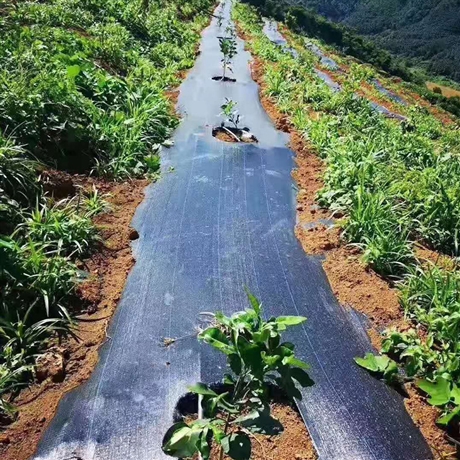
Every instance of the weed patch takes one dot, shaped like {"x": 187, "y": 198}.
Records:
{"x": 82, "y": 89}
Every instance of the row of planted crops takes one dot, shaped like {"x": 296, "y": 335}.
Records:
{"x": 395, "y": 181}
{"x": 82, "y": 90}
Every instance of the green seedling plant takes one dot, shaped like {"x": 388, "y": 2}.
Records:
{"x": 380, "y": 365}
{"x": 94, "y": 203}
{"x": 445, "y": 394}
{"x": 231, "y": 113}
{"x": 10, "y": 380}
{"x": 257, "y": 359}
{"x": 229, "y": 50}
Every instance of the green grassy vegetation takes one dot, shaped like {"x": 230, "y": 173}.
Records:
{"x": 395, "y": 182}
{"x": 425, "y": 31}
{"x": 82, "y": 89}
{"x": 303, "y": 20}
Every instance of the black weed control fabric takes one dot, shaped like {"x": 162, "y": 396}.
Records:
{"x": 222, "y": 216}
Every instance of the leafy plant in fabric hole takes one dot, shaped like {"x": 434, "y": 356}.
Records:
{"x": 230, "y": 111}
{"x": 229, "y": 50}
{"x": 257, "y": 359}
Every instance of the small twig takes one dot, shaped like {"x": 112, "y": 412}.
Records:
{"x": 255, "y": 437}
{"x": 200, "y": 417}
{"x": 452, "y": 440}
{"x": 227, "y": 423}
{"x": 107, "y": 336}
{"x": 443, "y": 455}
{"x": 91, "y": 320}
{"x": 168, "y": 341}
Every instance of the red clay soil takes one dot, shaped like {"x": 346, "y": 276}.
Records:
{"x": 293, "y": 444}
{"x": 67, "y": 365}
{"x": 225, "y": 137}
{"x": 354, "y": 284}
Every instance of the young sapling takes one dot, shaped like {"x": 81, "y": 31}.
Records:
{"x": 228, "y": 50}
{"x": 229, "y": 110}
{"x": 257, "y": 359}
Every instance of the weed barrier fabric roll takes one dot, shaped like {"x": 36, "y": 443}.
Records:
{"x": 222, "y": 216}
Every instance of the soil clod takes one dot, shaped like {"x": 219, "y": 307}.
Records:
{"x": 230, "y": 134}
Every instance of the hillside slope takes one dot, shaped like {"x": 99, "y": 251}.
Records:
{"x": 426, "y": 30}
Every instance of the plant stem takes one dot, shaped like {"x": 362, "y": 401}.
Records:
{"x": 200, "y": 416}
{"x": 227, "y": 422}
{"x": 235, "y": 397}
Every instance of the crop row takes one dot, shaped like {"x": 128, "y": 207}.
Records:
{"x": 396, "y": 183}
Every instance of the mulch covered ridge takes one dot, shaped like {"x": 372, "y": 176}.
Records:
{"x": 355, "y": 285}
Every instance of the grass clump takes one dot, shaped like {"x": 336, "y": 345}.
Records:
{"x": 82, "y": 89}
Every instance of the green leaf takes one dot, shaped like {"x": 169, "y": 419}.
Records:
{"x": 255, "y": 304}
{"x": 237, "y": 446}
{"x": 202, "y": 389}
{"x": 445, "y": 420}
{"x": 302, "y": 377}
{"x": 180, "y": 440}
{"x": 274, "y": 340}
{"x": 218, "y": 433}
{"x": 235, "y": 363}
{"x": 203, "y": 445}
{"x": 262, "y": 336}
{"x": 294, "y": 362}
{"x": 455, "y": 394}
{"x": 222, "y": 319}
{"x": 73, "y": 71}
{"x": 219, "y": 401}
{"x": 439, "y": 391}
{"x": 373, "y": 363}
{"x": 288, "y": 321}
{"x": 270, "y": 360}
{"x": 260, "y": 422}
{"x": 215, "y": 337}
{"x": 250, "y": 354}
{"x": 391, "y": 372}
{"x": 285, "y": 350}
{"x": 286, "y": 382}
{"x": 229, "y": 380}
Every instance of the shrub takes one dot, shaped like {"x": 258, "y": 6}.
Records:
{"x": 257, "y": 359}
